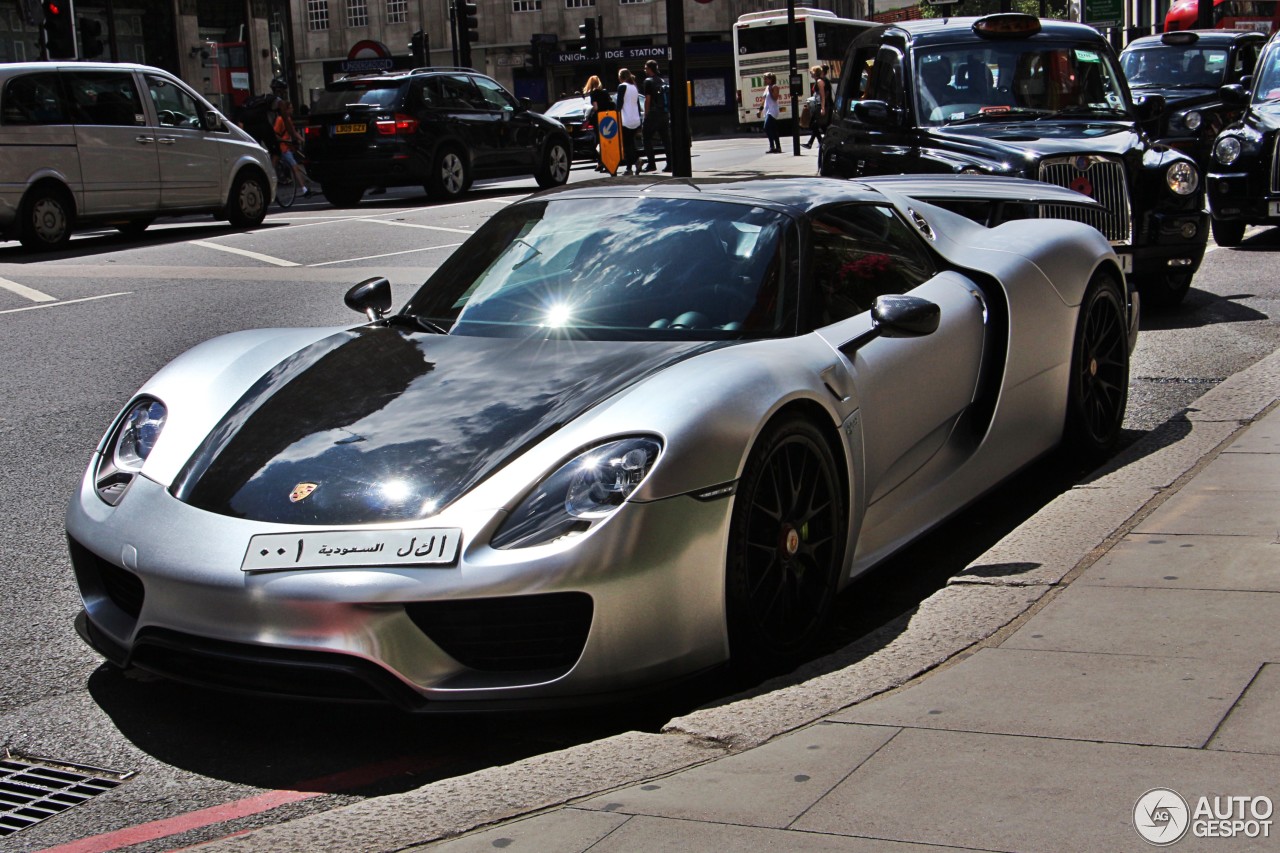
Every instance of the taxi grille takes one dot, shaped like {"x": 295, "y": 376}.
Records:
{"x": 1101, "y": 178}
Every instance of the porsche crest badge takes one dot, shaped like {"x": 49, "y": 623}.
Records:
{"x": 301, "y": 491}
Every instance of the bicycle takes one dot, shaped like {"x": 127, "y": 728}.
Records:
{"x": 286, "y": 186}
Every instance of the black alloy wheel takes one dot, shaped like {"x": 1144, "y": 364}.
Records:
{"x": 1228, "y": 233}
{"x": 449, "y": 176}
{"x": 786, "y": 546}
{"x": 1099, "y": 389}
{"x": 555, "y": 166}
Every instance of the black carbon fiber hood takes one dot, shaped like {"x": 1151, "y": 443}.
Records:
{"x": 385, "y": 425}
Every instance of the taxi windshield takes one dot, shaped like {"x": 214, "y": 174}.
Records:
{"x": 1174, "y": 67}
{"x": 976, "y": 80}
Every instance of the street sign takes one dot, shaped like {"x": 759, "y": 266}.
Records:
{"x": 610, "y": 135}
{"x": 1101, "y": 14}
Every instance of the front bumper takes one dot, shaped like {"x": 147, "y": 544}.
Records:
{"x": 1244, "y": 196}
{"x": 1170, "y": 243}
{"x": 163, "y": 590}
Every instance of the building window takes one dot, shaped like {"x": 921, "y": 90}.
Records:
{"x": 317, "y": 15}
{"x": 397, "y": 11}
{"x": 633, "y": 2}
{"x": 357, "y": 13}
{"x": 526, "y": 5}
{"x": 578, "y": 4}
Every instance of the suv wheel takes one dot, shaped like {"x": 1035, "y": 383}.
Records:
{"x": 341, "y": 195}
{"x": 1164, "y": 290}
{"x": 554, "y": 170}
{"x": 448, "y": 178}
{"x": 1227, "y": 232}
{"x": 47, "y": 218}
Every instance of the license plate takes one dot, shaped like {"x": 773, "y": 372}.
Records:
{"x": 351, "y": 549}
{"x": 350, "y": 128}
{"x": 1273, "y": 208}
{"x": 1126, "y": 263}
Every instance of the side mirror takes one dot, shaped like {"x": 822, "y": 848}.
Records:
{"x": 371, "y": 297}
{"x": 212, "y": 121}
{"x": 1235, "y": 94}
{"x": 877, "y": 113}
{"x": 523, "y": 104}
{"x": 897, "y": 317}
{"x": 1149, "y": 107}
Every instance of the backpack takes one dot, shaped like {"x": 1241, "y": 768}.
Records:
{"x": 254, "y": 115}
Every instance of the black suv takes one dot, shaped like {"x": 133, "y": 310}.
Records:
{"x": 440, "y": 128}
{"x": 1244, "y": 170}
{"x": 1011, "y": 94}
{"x": 1188, "y": 68}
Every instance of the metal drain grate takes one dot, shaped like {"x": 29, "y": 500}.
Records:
{"x": 33, "y": 789}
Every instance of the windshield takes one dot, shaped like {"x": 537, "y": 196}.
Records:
{"x": 1174, "y": 67}
{"x": 617, "y": 269}
{"x": 977, "y": 80}
{"x": 569, "y": 107}
{"x": 1266, "y": 89}
{"x": 374, "y": 93}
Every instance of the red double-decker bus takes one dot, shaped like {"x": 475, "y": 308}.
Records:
{"x": 1257, "y": 15}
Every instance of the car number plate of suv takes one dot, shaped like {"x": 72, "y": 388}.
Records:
{"x": 1274, "y": 208}
{"x": 350, "y": 128}
{"x": 268, "y": 552}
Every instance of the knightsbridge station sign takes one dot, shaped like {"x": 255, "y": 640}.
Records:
{"x": 614, "y": 54}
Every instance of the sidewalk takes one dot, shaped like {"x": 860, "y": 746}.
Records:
{"x": 1121, "y": 640}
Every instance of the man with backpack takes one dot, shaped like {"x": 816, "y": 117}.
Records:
{"x": 657, "y": 115}
{"x": 258, "y": 117}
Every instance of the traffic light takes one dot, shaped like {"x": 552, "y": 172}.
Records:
{"x": 90, "y": 31}
{"x": 59, "y": 30}
{"x": 469, "y": 22}
{"x": 587, "y": 42}
{"x": 419, "y": 47}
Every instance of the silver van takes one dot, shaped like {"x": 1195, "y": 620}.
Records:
{"x": 117, "y": 144}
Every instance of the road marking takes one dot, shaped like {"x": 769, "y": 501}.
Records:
{"x": 26, "y": 292}
{"x": 66, "y": 302}
{"x": 387, "y": 255}
{"x": 416, "y": 225}
{"x": 345, "y": 780}
{"x": 257, "y": 256}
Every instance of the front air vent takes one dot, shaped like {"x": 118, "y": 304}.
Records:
{"x": 123, "y": 588}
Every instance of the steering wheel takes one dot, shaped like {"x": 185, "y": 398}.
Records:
{"x": 169, "y": 118}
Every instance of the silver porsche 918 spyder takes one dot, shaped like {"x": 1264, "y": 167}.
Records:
{"x": 626, "y": 433}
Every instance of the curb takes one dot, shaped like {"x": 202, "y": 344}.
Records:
{"x": 995, "y": 593}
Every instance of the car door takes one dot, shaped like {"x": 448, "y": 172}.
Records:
{"x": 517, "y": 142}
{"x": 872, "y": 124}
{"x": 189, "y": 156}
{"x": 470, "y": 117}
{"x": 910, "y": 391}
{"x": 118, "y": 159}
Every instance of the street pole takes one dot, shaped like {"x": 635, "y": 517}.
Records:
{"x": 679, "y": 158}
{"x": 453, "y": 30}
{"x": 794, "y": 82}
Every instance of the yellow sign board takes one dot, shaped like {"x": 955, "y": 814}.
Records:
{"x": 609, "y": 133}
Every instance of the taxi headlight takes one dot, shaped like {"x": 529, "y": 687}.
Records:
{"x": 1226, "y": 150}
{"x": 1192, "y": 120}
{"x": 1182, "y": 178}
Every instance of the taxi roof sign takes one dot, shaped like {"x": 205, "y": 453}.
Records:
{"x": 1008, "y": 24}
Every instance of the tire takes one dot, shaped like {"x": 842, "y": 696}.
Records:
{"x": 341, "y": 195}
{"x": 786, "y": 546}
{"x": 135, "y": 227}
{"x": 48, "y": 217}
{"x": 1099, "y": 380}
{"x": 1228, "y": 232}
{"x": 556, "y": 162}
{"x": 1164, "y": 291}
{"x": 286, "y": 187}
{"x": 247, "y": 206}
{"x": 449, "y": 176}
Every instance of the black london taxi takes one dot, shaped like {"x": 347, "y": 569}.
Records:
{"x": 1244, "y": 182}
{"x": 1188, "y": 68}
{"x": 1012, "y": 94}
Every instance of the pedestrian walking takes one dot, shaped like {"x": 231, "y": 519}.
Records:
{"x": 629, "y": 105}
{"x": 822, "y": 103}
{"x": 657, "y": 115}
{"x": 600, "y": 101}
{"x": 770, "y": 111}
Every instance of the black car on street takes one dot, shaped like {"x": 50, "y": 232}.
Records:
{"x": 1188, "y": 68}
{"x": 1012, "y": 94}
{"x": 435, "y": 127}
{"x": 1244, "y": 181}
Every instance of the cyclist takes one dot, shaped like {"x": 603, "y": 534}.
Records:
{"x": 290, "y": 143}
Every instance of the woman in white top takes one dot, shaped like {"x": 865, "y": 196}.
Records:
{"x": 771, "y": 115}
{"x": 629, "y": 106}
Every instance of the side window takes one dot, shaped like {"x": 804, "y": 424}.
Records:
{"x": 855, "y": 84}
{"x": 104, "y": 97}
{"x": 33, "y": 99}
{"x": 174, "y": 107}
{"x": 1246, "y": 59}
{"x": 495, "y": 97}
{"x": 886, "y": 82}
{"x": 859, "y": 252}
{"x": 457, "y": 93}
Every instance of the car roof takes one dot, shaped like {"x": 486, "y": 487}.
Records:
{"x": 796, "y": 195}
{"x": 1213, "y": 37}
{"x": 925, "y": 31}
{"x": 22, "y": 67}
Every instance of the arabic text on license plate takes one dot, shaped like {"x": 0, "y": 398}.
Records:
{"x": 1126, "y": 263}
{"x": 351, "y": 548}
{"x": 1273, "y": 208}
{"x": 350, "y": 128}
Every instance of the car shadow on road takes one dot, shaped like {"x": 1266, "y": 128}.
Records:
{"x": 1199, "y": 309}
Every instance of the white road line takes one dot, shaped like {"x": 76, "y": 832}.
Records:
{"x": 416, "y": 225}
{"x": 66, "y": 302}
{"x": 26, "y": 292}
{"x": 387, "y": 255}
{"x": 245, "y": 252}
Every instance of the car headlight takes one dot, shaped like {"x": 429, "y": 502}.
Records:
{"x": 128, "y": 447}
{"x": 1226, "y": 150}
{"x": 1191, "y": 120}
{"x": 1182, "y": 178}
{"x": 582, "y": 492}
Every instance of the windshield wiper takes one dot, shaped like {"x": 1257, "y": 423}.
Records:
{"x": 422, "y": 323}
{"x": 1085, "y": 109}
{"x": 536, "y": 252}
